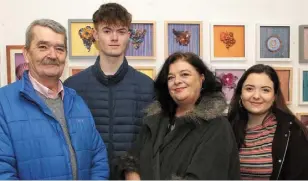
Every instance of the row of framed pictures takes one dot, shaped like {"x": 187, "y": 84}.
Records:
{"x": 230, "y": 77}
{"x": 228, "y": 41}
{"x": 16, "y": 64}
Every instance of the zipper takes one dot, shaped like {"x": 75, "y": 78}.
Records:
{"x": 56, "y": 127}
{"x": 110, "y": 105}
{"x": 284, "y": 155}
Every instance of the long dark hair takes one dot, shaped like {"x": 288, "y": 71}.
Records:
{"x": 238, "y": 115}
{"x": 210, "y": 85}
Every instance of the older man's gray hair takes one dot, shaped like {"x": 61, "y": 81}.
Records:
{"x": 49, "y": 23}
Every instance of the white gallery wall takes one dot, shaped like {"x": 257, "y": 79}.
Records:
{"x": 16, "y": 15}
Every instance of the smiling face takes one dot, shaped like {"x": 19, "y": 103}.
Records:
{"x": 258, "y": 94}
{"x": 184, "y": 82}
{"x": 47, "y": 53}
{"x": 112, "y": 40}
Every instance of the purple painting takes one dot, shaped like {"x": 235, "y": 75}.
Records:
{"x": 141, "y": 40}
{"x": 184, "y": 37}
{"x": 229, "y": 79}
{"x": 20, "y": 65}
{"x": 306, "y": 43}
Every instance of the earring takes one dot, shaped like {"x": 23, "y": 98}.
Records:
{"x": 240, "y": 103}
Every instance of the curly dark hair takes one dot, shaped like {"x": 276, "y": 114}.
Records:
{"x": 211, "y": 83}
{"x": 112, "y": 14}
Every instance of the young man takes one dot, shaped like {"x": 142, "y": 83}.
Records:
{"x": 115, "y": 92}
{"x": 46, "y": 129}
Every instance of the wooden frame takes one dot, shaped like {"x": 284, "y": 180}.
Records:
{"x": 147, "y": 70}
{"x": 221, "y": 47}
{"x": 303, "y": 43}
{"x": 81, "y": 48}
{"x": 284, "y": 85}
{"x": 13, "y": 52}
{"x": 235, "y": 74}
{"x": 300, "y": 118}
{"x": 303, "y": 86}
{"x": 280, "y": 41}
{"x": 193, "y": 29}
{"x": 76, "y": 69}
{"x": 146, "y": 49}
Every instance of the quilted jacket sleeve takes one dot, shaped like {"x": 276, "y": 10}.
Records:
{"x": 7, "y": 156}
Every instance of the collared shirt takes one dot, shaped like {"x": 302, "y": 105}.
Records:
{"x": 48, "y": 93}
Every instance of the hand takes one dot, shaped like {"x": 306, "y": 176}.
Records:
{"x": 132, "y": 176}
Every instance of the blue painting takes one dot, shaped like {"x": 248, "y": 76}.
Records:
{"x": 305, "y": 86}
{"x": 184, "y": 37}
{"x": 141, "y": 42}
{"x": 274, "y": 42}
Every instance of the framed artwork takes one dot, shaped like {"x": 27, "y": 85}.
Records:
{"x": 285, "y": 75}
{"x": 76, "y": 69}
{"x": 229, "y": 79}
{"x": 228, "y": 42}
{"x": 183, "y": 36}
{"x": 303, "y": 44}
{"x": 303, "y": 86}
{"x": 142, "y": 41}
{"x": 273, "y": 43}
{"x": 81, "y": 42}
{"x": 16, "y": 63}
{"x": 303, "y": 117}
{"x": 149, "y": 71}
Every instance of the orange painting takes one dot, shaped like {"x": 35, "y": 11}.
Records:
{"x": 284, "y": 78}
{"x": 229, "y": 41}
{"x": 76, "y": 70}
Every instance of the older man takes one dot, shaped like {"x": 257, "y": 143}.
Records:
{"x": 46, "y": 129}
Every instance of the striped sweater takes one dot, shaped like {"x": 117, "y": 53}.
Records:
{"x": 256, "y": 154}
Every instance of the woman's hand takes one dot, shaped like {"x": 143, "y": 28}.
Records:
{"x": 132, "y": 176}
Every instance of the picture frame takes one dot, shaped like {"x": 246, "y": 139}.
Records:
{"x": 273, "y": 42}
{"x": 147, "y": 70}
{"x": 285, "y": 75}
{"x": 229, "y": 78}
{"x": 76, "y": 69}
{"x": 81, "y": 42}
{"x": 303, "y": 86}
{"x": 142, "y": 43}
{"x": 303, "y": 43}
{"x": 16, "y": 63}
{"x": 303, "y": 117}
{"x": 228, "y": 42}
{"x": 186, "y": 36}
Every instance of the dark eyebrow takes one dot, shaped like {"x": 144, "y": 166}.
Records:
{"x": 48, "y": 43}
{"x": 185, "y": 70}
{"x": 249, "y": 85}
{"x": 266, "y": 87}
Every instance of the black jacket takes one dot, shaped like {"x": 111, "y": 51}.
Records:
{"x": 115, "y": 102}
{"x": 201, "y": 146}
{"x": 289, "y": 149}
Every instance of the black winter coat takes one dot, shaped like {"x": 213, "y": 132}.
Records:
{"x": 289, "y": 149}
{"x": 201, "y": 146}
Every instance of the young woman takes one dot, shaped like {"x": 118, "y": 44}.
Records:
{"x": 272, "y": 142}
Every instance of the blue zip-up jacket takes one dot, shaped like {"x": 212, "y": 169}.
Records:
{"x": 32, "y": 143}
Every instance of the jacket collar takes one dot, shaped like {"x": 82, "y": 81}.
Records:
{"x": 28, "y": 92}
{"x": 109, "y": 79}
{"x": 210, "y": 107}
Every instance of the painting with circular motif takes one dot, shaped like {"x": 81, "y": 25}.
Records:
{"x": 274, "y": 42}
